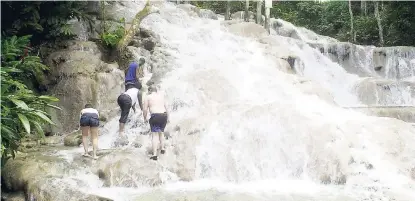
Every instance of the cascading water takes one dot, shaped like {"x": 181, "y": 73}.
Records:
{"x": 392, "y": 67}
{"x": 260, "y": 135}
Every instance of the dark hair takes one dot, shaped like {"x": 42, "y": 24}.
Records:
{"x": 88, "y": 105}
{"x": 141, "y": 61}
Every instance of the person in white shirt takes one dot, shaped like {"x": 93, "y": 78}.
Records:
{"x": 126, "y": 101}
{"x": 89, "y": 122}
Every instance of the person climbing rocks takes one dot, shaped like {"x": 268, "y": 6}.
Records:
{"x": 89, "y": 122}
{"x": 126, "y": 101}
{"x": 131, "y": 77}
{"x": 159, "y": 118}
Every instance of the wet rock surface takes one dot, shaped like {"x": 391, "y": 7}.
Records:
{"x": 62, "y": 173}
{"x": 51, "y": 140}
{"x": 129, "y": 169}
{"x": 59, "y": 188}
{"x": 42, "y": 175}
{"x": 73, "y": 139}
{"x": 372, "y": 91}
{"x": 18, "y": 196}
{"x": 247, "y": 29}
{"x": 18, "y": 172}
{"x": 79, "y": 76}
{"x": 199, "y": 12}
{"x": 397, "y": 63}
{"x": 222, "y": 195}
{"x": 240, "y": 15}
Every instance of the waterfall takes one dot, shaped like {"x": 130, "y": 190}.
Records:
{"x": 265, "y": 134}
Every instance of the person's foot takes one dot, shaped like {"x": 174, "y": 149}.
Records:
{"x": 153, "y": 158}
{"x": 86, "y": 155}
{"x": 162, "y": 151}
{"x": 94, "y": 157}
{"x": 121, "y": 140}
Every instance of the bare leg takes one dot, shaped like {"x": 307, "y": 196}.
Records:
{"x": 154, "y": 145}
{"x": 94, "y": 137}
{"x": 85, "y": 130}
{"x": 161, "y": 138}
{"x": 121, "y": 129}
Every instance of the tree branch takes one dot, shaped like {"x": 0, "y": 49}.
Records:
{"x": 134, "y": 26}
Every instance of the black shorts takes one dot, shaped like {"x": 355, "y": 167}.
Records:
{"x": 129, "y": 85}
{"x": 89, "y": 119}
{"x": 125, "y": 103}
{"x": 158, "y": 122}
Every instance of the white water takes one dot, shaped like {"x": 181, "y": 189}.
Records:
{"x": 393, "y": 67}
{"x": 263, "y": 135}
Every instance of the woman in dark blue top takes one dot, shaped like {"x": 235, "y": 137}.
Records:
{"x": 131, "y": 78}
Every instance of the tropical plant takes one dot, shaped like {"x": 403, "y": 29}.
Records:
{"x": 44, "y": 20}
{"x": 22, "y": 111}
{"x": 380, "y": 23}
{"x": 111, "y": 36}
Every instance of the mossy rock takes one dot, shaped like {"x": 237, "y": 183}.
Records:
{"x": 51, "y": 140}
{"x": 15, "y": 196}
{"x": 73, "y": 139}
{"x": 59, "y": 188}
{"x": 18, "y": 172}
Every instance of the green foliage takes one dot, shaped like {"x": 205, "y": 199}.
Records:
{"x": 220, "y": 6}
{"x": 42, "y": 19}
{"x": 111, "y": 36}
{"x": 366, "y": 30}
{"x": 331, "y": 18}
{"x": 399, "y": 20}
{"x": 326, "y": 18}
{"x": 22, "y": 111}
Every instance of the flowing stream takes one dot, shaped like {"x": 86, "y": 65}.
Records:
{"x": 262, "y": 137}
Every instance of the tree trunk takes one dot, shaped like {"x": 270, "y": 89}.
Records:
{"x": 103, "y": 23}
{"x": 246, "y": 15}
{"x": 267, "y": 21}
{"x": 363, "y": 7}
{"x": 380, "y": 28}
{"x": 135, "y": 25}
{"x": 352, "y": 35}
{"x": 258, "y": 11}
{"x": 228, "y": 10}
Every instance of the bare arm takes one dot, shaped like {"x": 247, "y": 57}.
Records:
{"x": 80, "y": 116}
{"x": 167, "y": 112}
{"x": 139, "y": 72}
{"x": 145, "y": 106}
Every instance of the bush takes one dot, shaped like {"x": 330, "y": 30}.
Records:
{"x": 22, "y": 111}
{"x": 111, "y": 38}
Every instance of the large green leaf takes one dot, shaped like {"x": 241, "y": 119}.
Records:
{"x": 25, "y": 122}
{"x": 44, "y": 117}
{"x": 7, "y": 133}
{"x": 20, "y": 104}
{"x": 49, "y": 98}
{"x": 38, "y": 128}
{"x": 54, "y": 106}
